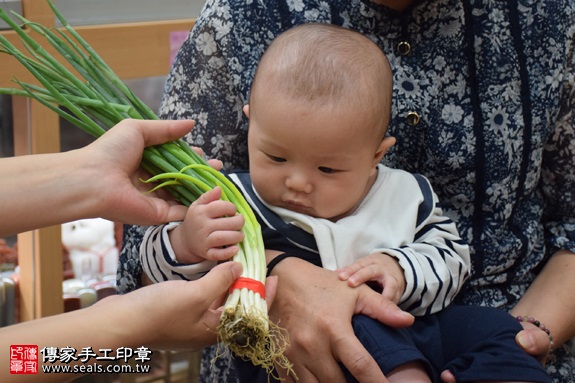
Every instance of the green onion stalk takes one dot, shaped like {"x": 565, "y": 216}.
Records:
{"x": 100, "y": 101}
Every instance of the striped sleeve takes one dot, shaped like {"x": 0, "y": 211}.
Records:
{"x": 436, "y": 263}
{"x": 159, "y": 260}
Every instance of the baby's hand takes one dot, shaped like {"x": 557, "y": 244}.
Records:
{"x": 211, "y": 230}
{"x": 379, "y": 268}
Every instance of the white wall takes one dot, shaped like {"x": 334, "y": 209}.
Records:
{"x": 13, "y": 5}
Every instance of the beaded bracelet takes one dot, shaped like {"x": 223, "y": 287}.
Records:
{"x": 538, "y": 324}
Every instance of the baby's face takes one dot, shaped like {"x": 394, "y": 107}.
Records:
{"x": 316, "y": 161}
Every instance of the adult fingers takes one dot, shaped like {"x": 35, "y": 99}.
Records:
{"x": 148, "y": 210}
{"x": 358, "y": 361}
{"x": 214, "y": 286}
{"x": 156, "y": 132}
{"x": 535, "y": 342}
{"x": 175, "y": 212}
{"x": 271, "y": 288}
{"x": 447, "y": 377}
{"x": 380, "y": 308}
{"x": 216, "y": 164}
{"x": 219, "y": 280}
{"x": 303, "y": 375}
{"x": 323, "y": 367}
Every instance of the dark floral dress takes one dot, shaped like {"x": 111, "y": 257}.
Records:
{"x": 484, "y": 106}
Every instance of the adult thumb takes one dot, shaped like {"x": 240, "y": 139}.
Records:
{"x": 535, "y": 342}
{"x": 220, "y": 278}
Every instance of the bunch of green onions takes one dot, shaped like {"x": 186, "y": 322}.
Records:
{"x": 100, "y": 101}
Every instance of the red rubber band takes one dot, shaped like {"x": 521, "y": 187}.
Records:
{"x": 250, "y": 284}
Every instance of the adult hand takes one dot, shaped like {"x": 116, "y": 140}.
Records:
{"x": 113, "y": 164}
{"x": 534, "y": 341}
{"x": 176, "y": 315}
{"x": 316, "y": 308}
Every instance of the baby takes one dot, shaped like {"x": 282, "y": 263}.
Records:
{"x": 319, "y": 108}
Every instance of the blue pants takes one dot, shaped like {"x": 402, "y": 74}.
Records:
{"x": 474, "y": 343}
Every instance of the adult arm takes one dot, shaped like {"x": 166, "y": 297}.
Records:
{"x": 558, "y": 188}
{"x": 99, "y": 180}
{"x": 171, "y": 315}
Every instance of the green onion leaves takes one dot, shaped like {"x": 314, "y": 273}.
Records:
{"x": 95, "y": 100}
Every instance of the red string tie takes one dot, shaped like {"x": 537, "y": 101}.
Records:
{"x": 250, "y": 284}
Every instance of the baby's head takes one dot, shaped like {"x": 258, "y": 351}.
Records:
{"x": 319, "y": 107}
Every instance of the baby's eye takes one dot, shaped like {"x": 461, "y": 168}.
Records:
{"x": 324, "y": 169}
{"x": 276, "y": 159}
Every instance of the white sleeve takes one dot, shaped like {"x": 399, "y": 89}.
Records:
{"x": 436, "y": 264}
{"x": 159, "y": 260}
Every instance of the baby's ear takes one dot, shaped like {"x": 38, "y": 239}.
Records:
{"x": 246, "y": 110}
{"x": 384, "y": 146}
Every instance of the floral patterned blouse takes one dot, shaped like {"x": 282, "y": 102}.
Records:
{"x": 483, "y": 106}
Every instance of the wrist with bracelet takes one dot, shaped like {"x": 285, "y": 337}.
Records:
{"x": 537, "y": 323}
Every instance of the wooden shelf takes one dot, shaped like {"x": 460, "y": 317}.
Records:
{"x": 133, "y": 50}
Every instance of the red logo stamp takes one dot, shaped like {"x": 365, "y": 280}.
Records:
{"x": 24, "y": 359}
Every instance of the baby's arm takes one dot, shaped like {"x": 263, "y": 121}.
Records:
{"x": 435, "y": 262}
{"x": 187, "y": 250}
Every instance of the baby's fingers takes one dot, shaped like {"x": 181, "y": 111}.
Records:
{"x": 222, "y": 253}
{"x": 363, "y": 275}
{"x": 350, "y": 270}
{"x": 222, "y": 244}
{"x": 209, "y": 196}
{"x": 223, "y": 238}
